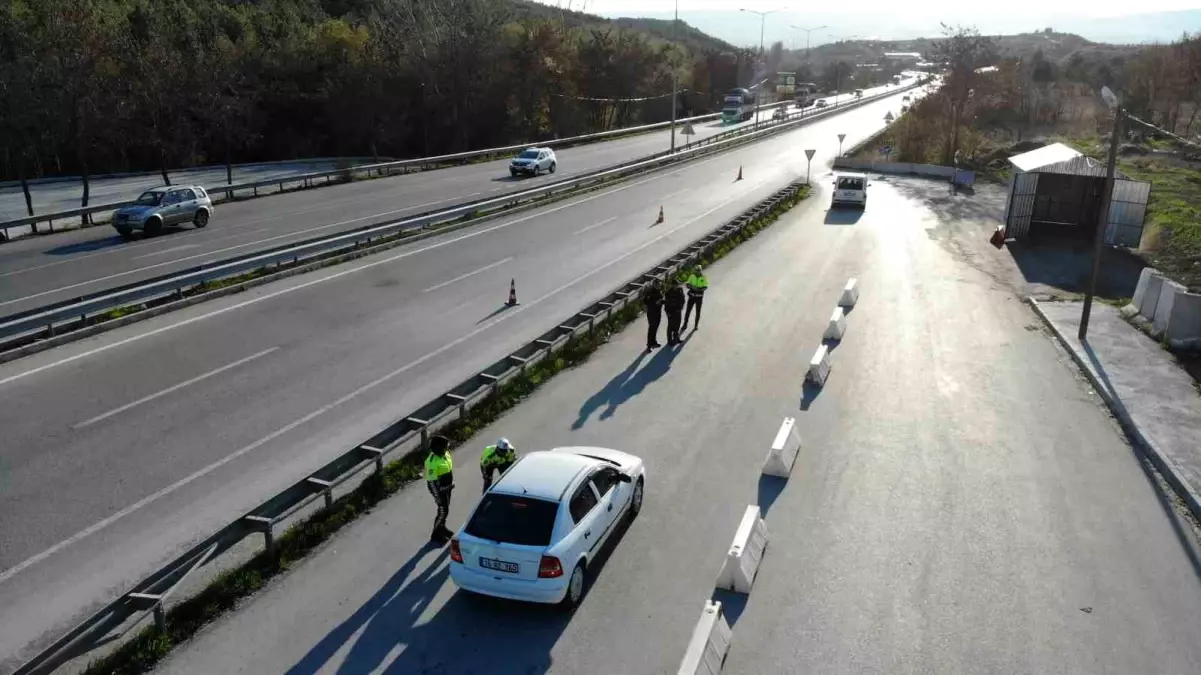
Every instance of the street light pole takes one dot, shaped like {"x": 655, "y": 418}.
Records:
{"x": 674, "y": 84}
{"x": 762, "y": 55}
{"x": 1106, "y": 197}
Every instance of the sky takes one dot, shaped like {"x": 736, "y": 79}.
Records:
{"x": 1097, "y": 8}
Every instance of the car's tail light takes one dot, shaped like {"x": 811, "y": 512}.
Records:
{"x": 455, "y": 554}
{"x": 549, "y": 568}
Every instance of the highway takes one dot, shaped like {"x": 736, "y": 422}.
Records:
{"x": 961, "y": 503}
{"x": 125, "y": 448}
{"x": 36, "y": 271}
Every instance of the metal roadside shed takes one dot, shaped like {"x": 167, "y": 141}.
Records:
{"x": 1055, "y": 193}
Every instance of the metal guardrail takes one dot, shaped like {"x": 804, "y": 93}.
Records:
{"x": 149, "y": 595}
{"x": 308, "y": 179}
{"x": 46, "y": 319}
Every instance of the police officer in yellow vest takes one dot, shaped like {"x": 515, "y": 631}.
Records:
{"x": 497, "y": 458}
{"x": 697, "y": 285}
{"x": 440, "y": 479}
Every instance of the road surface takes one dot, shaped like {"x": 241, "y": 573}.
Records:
{"x": 961, "y": 503}
{"x": 37, "y": 271}
{"x": 125, "y": 448}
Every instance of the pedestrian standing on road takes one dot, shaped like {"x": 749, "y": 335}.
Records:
{"x": 440, "y": 480}
{"x": 497, "y": 458}
{"x": 697, "y": 285}
{"x": 652, "y": 299}
{"x": 673, "y": 303}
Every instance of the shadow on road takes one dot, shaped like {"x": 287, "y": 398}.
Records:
{"x": 383, "y": 619}
{"x": 86, "y": 246}
{"x": 848, "y": 216}
{"x": 498, "y": 310}
{"x": 1067, "y": 265}
{"x": 770, "y": 488}
{"x": 809, "y": 394}
{"x": 629, "y": 383}
{"x": 732, "y": 604}
{"x": 514, "y": 179}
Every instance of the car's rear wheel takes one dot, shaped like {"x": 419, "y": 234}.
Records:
{"x": 201, "y": 218}
{"x": 575, "y": 587}
{"x": 552, "y": 167}
{"x": 153, "y": 227}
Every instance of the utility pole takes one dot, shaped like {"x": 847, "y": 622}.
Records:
{"x": 762, "y": 55}
{"x": 1106, "y": 198}
{"x": 674, "y": 70}
{"x": 808, "y": 34}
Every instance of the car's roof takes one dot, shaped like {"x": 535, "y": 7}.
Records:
{"x": 164, "y": 188}
{"x": 851, "y": 175}
{"x": 544, "y": 475}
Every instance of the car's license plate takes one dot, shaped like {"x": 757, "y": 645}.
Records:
{"x": 499, "y": 565}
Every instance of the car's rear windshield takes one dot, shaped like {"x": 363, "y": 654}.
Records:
{"x": 151, "y": 198}
{"x": 850, "y": 183}
{"x": 511, "y": 519}
{"x": 528, "y": 154}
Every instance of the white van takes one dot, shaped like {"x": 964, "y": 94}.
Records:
{"x": 850, "y": 188}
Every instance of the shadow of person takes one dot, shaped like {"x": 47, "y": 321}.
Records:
{"x": 408, "y": 588}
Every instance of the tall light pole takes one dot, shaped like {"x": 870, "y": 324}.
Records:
{"x": 808, "y": 34}
{"x": 1106, "y": 197}
{"x": 762, "y": 24}
{"x": 674, "y": 68}
{"x": 838, "y": 70}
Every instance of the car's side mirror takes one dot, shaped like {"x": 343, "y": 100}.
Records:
{"x": 624, "y": 478}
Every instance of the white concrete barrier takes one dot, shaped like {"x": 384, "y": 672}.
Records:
{"x": 745, "y": 554}
{"x": 838, "y": 325}
{"x": 784, "y": 449}
{"x": 1167, "y": 300}
{"x": 819, "y": 366}
{"x": 709, "y": 644}
{"x": 850, "y": 293}
{"x": 1150, "y": 297}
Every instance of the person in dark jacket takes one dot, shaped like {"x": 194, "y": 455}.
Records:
{"x": 653, "y": 300}
{"x": 673, "y": 303}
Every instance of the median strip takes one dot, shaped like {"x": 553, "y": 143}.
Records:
{"x": 501, "y": 390}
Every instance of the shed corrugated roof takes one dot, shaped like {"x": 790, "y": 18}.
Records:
{"x": 1080, "y": 166}
{"x": 1048, "y": 154}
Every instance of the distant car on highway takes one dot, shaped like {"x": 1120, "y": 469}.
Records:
{"x": 533, "y": 161}
{"x": 535, "y": 532}
{"x": 779, "y": 114}
{"x": 821, "y": 103}
{"x": 159, "y": 207}
{"x": 850, "y": 188}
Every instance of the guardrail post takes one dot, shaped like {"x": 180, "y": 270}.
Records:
{"x": 325, "y": 487}
{"x": 378, "y": 455}
{"x": 267, "y": 527}
{"x": 155, "y": 602}
{"x": 425, "y": 431}
{"x": 462, "y": 402}
{"x": 494, "y": 380}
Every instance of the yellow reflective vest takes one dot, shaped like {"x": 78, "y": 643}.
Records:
{"x": 437, "y": 466}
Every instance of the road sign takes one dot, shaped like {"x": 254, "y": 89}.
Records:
{"x": 809, "y": 154}
{"x": 688, "y": 130}
{"x": 888, "y": 116}
{"x": 885, "y": 149}
{"x": 841, "y": 137}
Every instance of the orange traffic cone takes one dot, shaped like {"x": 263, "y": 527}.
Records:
{"x": 660, "y": 216}
{"x": 739, "y": 173}
{"x": 512, "y": 293}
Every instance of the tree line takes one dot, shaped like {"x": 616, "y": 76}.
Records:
{"x": 99, "y": 86}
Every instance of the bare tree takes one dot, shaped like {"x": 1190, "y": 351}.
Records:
{"x": 962, "y": 51}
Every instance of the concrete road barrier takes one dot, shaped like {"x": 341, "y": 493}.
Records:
{"x": 745, "y": 554}
{"x": 838, "y": 325}
{"x": 850, "y": 293}
{"x": 819, "y": 366}
{"x": 709, "y": 644}
{"x": 784, "y": 449}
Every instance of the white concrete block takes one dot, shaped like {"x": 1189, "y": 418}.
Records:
{"x": 1150, "y": 295}
{"x": 709, "y": 644}
{"x": 1140, "y": 291}
{"x": 784, "y": 449}
{"x": 1168, "y": 291}
{"x": 850, "y": 293}
{"x": 819, "y": 366}
{"x": 838, "y": 325}
{"x": 745, "y": 554}
{"x": 1184, "y": 324}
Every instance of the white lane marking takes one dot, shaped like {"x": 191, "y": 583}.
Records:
{"x": 173, "y": 249}
{"x": 13, "y": 571}
{"x": 215, "y": 252}
{"x": 461, "y": 277}
{"x": 174, "y": 388}
{"x": 603, "y": 222}
{"x": 313, "y": 282}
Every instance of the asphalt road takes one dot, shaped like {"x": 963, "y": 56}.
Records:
{"x": 961, "y": 503}
{"x": 37, "y": 271}
{"x": 123, "y": 449}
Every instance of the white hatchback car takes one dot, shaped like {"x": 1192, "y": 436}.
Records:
{"x": 534, "y": 533}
